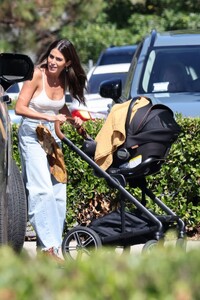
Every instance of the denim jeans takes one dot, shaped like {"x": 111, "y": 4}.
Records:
{"x": 46, "y": 196}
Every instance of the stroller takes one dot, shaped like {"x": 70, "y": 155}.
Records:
{"x": 154, "y": 129}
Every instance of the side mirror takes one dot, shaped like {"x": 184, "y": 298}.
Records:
{"x": 14, "y": 68}
{"x": 111, "y": 89}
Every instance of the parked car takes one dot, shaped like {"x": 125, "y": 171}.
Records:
{"x": 116, "y": 55}
{"x": 13, "y": 204}
{"x": 165, "y": 68}
{"x": 14, "y": 90}
{"x": 96, "y": 106}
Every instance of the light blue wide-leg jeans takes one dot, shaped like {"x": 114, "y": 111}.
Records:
{"x": 46, "y": 196}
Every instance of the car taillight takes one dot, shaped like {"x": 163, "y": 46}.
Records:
{"x": 82, "y": 114}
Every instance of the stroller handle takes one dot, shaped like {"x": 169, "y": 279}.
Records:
{"x": 80, "y": 129}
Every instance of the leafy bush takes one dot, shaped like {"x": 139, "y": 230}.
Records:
{"x": 162, "y": 274}
{"x": 178, "y": 182}
{"x": 179, "y": 179}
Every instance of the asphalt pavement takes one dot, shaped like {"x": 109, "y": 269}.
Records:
{"x": 30, "y": 247}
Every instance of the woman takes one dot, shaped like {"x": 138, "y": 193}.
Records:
{"x": 42, "y": 101}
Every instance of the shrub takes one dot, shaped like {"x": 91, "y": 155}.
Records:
{"x": 178, "y": 182}
{"x": 162, "y": 274}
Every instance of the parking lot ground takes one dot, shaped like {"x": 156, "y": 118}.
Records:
{"x": 30, "y": 247}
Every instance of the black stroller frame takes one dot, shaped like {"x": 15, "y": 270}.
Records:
{"x": 82, "y": 240}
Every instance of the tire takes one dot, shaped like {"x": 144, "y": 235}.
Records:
{"x": 181, "y": 243}
{"x": 17, "y": 209}
{"x": 3, "y": 219}
{"x": 80, "y": 242}
{"x": 149, "y": 246}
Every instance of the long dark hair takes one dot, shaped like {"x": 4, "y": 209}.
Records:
{"x": 75, "y": 74}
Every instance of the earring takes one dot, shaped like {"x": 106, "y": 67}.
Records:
{"x": 66, "y": 69}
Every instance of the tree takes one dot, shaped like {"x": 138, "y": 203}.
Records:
{"x": 91, "y": 38}
{"x": 27, "y": 26}
{"x": 30, "y": 25}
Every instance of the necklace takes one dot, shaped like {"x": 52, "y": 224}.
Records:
{"x": 54, "y": 82}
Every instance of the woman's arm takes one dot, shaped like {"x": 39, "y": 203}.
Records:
{"x": 29, "y": 89}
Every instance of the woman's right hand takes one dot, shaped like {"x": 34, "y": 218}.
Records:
{"x": 60, "y": 117}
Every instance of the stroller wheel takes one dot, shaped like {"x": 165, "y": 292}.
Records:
{"x": 149, "y": 245}
{"x": 80, "y": 242}
{"x": 181, "y": 243}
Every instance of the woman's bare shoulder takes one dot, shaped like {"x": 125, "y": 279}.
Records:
{"x": 37, "y": 73}
{"x": 36, "y": 79}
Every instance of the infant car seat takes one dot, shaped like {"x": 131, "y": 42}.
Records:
{"x": 150, "y": 133}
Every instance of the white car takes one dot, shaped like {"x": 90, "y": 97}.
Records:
{"x": 14, "y": 119}
{"x": 13, "y": 92}
{"x": 97, "y": 106}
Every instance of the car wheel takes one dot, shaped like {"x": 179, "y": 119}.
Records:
{"x": 17, "y": 209}
{"x": 3, "y": 220}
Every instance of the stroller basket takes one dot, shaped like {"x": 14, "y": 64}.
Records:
{"x": 137, "y": 227}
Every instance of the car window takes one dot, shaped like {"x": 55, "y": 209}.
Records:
{"x": 13, "y": 88}
{"x": 96, "y": 79}
{"x": 113, "y": 58}
{"x": 117, "y": 55}
{"x": 171, "y": 70}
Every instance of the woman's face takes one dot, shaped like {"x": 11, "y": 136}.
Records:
{"x": 56, "y": 61}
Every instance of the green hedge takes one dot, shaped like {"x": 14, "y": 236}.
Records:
{"x": 178, "y": 182}
{"x": 168, "y": 274}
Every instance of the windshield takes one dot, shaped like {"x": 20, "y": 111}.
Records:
{"x": 95, "y": 81}
{"x": 175, "y": 69}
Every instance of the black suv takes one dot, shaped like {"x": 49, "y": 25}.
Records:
{"x": 13, "y": 205}
{"x": 165, "y": 68}
{"x": 116, "y": 55}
